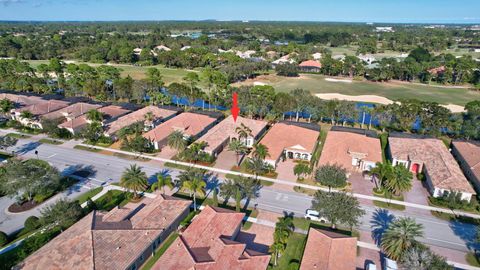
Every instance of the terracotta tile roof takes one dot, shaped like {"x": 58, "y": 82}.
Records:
{"x": 284, "y": 136}
{"x": 72, "y": 111}
{"x": 105, "y": 241}
{"x": 443, "y": 169}
{"x": 327, "y": 250}
{"x": 340, "y": 147}
{"x": 437, "y": 70}
{"x": 310, "y": 63}
{"x": 74, "y": 124}
{"x": 112, "y": 112}
{"x": 226, "y": 130}
{"x": 190, "y": 124}
{"x": 44, "y": 107}
{"x": 209, "y": 243}
{"x": 21, "y": 100}
{"x": 137, "y": 116}
{"x": 470, "y": 152}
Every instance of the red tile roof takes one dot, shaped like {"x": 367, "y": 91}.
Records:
{"x": 340, "y": 147}
{"x": 226, "y": 130}
{"x": 443, "y": 169}
{"x": 44, "y": 107}
{"x": 190, "y": 124}
{"x": 21, "y": 99}
{"x": 210, "y": 243}
{"x": 137, "y": 116}
{"x": 327, "y": 250}
{"x": 470, "y": 152}
{"x": 310, "y": 63}
{"x": 283, "y": 136}
{"x": 72, "y": 111}
{"x": 112, "y": 240}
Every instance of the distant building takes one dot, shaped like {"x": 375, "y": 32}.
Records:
{"x": 123, "y": 238}
{"x": 310, "y": 66}
{"x": 246, "y": 54}
{"x": 436, "y": 71}
{"x": 162, "y": 48}
{"x": 185, "y": 48}
{"x": 386, "y": 29}
{"x": 317, "y": 56}
{"x": 367, "y": 58}
{"x": 137, "y": 51}
{"x": 326, "y": 250}
{"x": 431, "y": 157}
{"x": 211, "y": 242}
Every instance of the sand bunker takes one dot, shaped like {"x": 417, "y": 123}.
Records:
{"x": 337, "y": 80}
{"x": 379, "y": 100}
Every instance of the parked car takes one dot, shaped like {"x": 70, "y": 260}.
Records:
{"x": 371, "y": 266}
{"x": 390, "y": 264}
{"x": 311, "y": 214}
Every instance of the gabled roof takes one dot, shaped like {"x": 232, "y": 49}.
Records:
{"x": 227, "y": 130}
{"x": 443, "y": 169}
{"x": 21, "y": 100}
{"x": 289, "y": 136}
{"x": 44, "y": 107}
{"x": 326, "y": 250}
{"x": 112, "y": 240}
{"x": 138, "y": 116}
{"x": 190, "y": 124}
{"x": 339, "y": 147}
{"x": 209, "y": 243}
{"x": 73, "y": 111}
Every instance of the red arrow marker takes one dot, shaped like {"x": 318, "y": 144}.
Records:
{"x": 235, "y": 110}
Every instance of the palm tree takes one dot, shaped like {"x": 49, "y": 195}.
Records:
{"x": 26, "y": 115}
{"x": 400, "y": 236}
{"x": 7, "y": 141}
{"x": 149, "y": 118}
{"x": 260, "y": 151}
{"x": 194, "y": 183}
{"x": 381, "y": 171}
{"x": 228, "y": 189}
{"x": 194, "y": 152}
{"x": 257, "y": 166}
{"x": 163, "y": 180}
{"x": 277, "y": 248}
{"x": 239, "y": 148}
{"x": 400, "y": 180}
{"x": 6, "y": 106}
{"x": 417, "y": 259}
{"x": 94, "y": 116}
{"x": 176, "y": 141}
{"x": 135, "y": 179}
{"x": 243, "y": 131}
{"x": 301, "y": 169}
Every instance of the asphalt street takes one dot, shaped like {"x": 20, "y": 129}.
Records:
{"x": 105, "y": 168}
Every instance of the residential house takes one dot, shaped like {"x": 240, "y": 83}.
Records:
{"x": 317, "y": 56}
{"x": 72, "y": 111}
{"x": 430, "y": 156}
{"x": 211, "y": 242}
{"x": 367, "y": 58}
{"x": 158, "y": 114}
{"x": 288, "y": 140}
{"x": 327, "y": 250}
{"x": 437, "y": 70}
{"x": 220, "y": 135}
{"x": 137, "y": 51}
{"x": 21, "y": 100}
{"x": 38, "y": 110}
{"x": 192, "y": 125}
{"x": 123, "y": 238}
{"x": 467, "y": 154}
{"x": 109, "y": 114}
{"x": 355, "y": 151}
{"x": 246, "y": 54}
{"x": 162, "y": 48}
{"x": 310, "y": 66}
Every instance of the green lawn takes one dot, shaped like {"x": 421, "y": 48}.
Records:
{"x": 389, "y": 205}
{"x": 89, "y": 194}
{"x": 111, "y": 199}
{"x": 86, "y": 148}
{"x": 292, "y": 256}
{"x": 163, "y": 247}
{"x": 394, "y": 91}
{"x": 472, "y": 259}
{"x": 18, "y": 136}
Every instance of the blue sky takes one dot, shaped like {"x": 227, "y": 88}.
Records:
{"x": 404, "y": 11}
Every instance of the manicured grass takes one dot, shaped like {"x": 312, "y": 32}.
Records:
{"x": 86, "y": 148}
{"x": 159, "y": 252}
{"x": 89, "y": 194}
{"x": 130, "y": 157}
{"x": 394, "y": 91}
{"x": 18, "y": 136}
{"x": 384, "y": 143}
{"x": 176, "y": 166}
{"x": 472, "y": 259}
{"x": 389, "y": 205}
{"x": 292, "y": 254}
{"x": 262, "y": 182}
{"x": 50, "y": 141}
{"x": 111, "y": 199}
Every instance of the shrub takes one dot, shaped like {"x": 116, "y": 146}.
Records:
{"x": 31, "y": 223}
{"x": 3, "y": 238}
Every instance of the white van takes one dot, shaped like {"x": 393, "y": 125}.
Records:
{"x": 390, "y": 264}
{"x": 311, "y": 214}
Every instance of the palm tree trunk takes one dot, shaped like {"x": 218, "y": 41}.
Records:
{"x": 194, "y": 202}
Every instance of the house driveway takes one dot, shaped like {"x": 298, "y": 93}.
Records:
{"x": 418, "y": 194}
{"x": 285, "y": 170}
{"x": 226, "y": 160}
{"x": 361, "y": 184}
{"x": 167, "y": 152}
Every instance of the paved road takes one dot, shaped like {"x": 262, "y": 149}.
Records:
{"x": 454, "y": 235}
